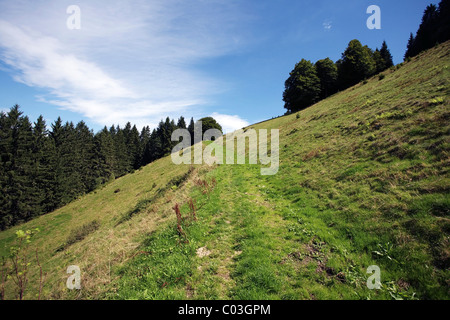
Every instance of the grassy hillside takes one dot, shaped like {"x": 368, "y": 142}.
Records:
{"x": 363, "y": 180}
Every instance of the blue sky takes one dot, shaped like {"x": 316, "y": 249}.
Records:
{"x": 141, "y": 61}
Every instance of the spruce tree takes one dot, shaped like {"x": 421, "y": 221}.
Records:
{"x": 181, "y": 124}
{"x": 134, "y": 148}
{"x": 386, "y": 56}
{"x": 165, "y": 130}
{"x": 144, "y": 138}
{"x": 4, "y": 157}
{"x": 44, "y": 152}
{"x": 105, "y": 155}
{"x": 430, "y": 29}
{"x": 19, "y": 198}
{"x": 123, "y": 164}
{"x": 154, "y": 147}
{"x": 426, "y": 36}
{"x": 61, "y": 184}
{"x": 379, "y": 61}
{"x": 191, "y": 128}
{"x": 40, "y": 175}
{"x": 410, "y": 49}
{"x": 443, "y": 29}
{"x": 86, "y": 157}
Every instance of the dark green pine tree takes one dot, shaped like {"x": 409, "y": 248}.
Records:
{"x": 44, "y": 151}
{"x": 71, "y": 153}
{"x": 410, "y": 49}
{"x": 130, "y": 138}
{"x": 144, "y": 138}
{"x": 134, "y": 147}
{"x": 53, "y": 164}
{"x": 5, "y": 217}
{"x": 19, "y": 199}
{"x": 172, "y": 127}
{"x": 59, "y": 163}
{"x": 86, "y": 157}
{"x": 105, "y": 156}
{"x": 154, "y": 147}
{"x": 181, "y": 124}
{"x": 123, "y": 164}
{"x": 112, "y": 131}
{"x": 29, "y": 193}
{"x": 443, "y": 29}
{"x": 427, "y": 35}
{"x": 41, "y": 175}
{"x": 386, "y": 56}
{"x": 379, "y": 61}
{"x": 117, "y": 170}
{"x": 3, "y": 182}
{"x": 126, "y": 130}
{"x": 164, "y": 134}
{"x": 434, "y": 29}
{"x": 191, "y": 128}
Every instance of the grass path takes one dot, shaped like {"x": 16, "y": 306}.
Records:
{"x": 264, "y": 246}
{"x": 250, "y": 242}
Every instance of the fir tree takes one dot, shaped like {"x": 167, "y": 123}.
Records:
{"x": 123, "y": 164}
{"x": 443, "y": 29}
{"x": 19, "y": 198}
{"x": 144, "y": 139}
{"x": 426, "y": 36}
{"x": 386, "y": 56}
{"x": 105, "y": 155}
{"x": 410, "y": 49}
{"x": 181, "y": 124}
{"x": 134, "y": 147}
{"x": 85, "y": 155}
{"x": 191, "y": 129}
{"x": 379, "y": 61}
{"x": 154, "y": 147}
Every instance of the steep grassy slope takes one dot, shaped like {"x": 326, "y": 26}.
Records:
{"x": 98, "y": 230}
{"x": 363, "y": 180}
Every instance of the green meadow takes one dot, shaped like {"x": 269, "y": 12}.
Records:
{"x": 363, "y": 180}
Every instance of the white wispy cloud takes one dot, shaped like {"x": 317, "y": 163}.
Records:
{"x": 327, "y": 25}
{"x": 130, "y": 61}
{"x": 230, "y": 123}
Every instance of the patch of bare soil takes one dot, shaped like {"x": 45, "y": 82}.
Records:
{"x": 312, "y": 253}
{"x": 203, "y": 252}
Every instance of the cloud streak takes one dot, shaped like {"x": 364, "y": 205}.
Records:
{"x": 327, "y": 25}
{"x": 230, "y": 123}
{"x": 128, "y": 62}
